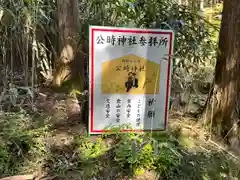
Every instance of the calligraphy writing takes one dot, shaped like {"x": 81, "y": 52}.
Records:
{"x": 118, "y": 110}
{"x": 151, "y": 102}
{"x": 151, "y": 113}
{"x": 129, "y": 68}
{"x": 138, "y": 114}
{"x": 131, "y": 61}
{"x": 129, "y": 108}
{"x": 100, "y": 40}
{"x": 150, "y": 41}
{"x": 107, "y": 110}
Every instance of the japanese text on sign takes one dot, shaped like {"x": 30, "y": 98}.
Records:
{"x": 132, "y": 40}
{"x": 130, "y": 74}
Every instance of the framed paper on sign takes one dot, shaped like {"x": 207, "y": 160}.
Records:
{"x": 129, "y": 78}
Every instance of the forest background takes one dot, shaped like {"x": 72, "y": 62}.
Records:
{"x": 44, "y": 85}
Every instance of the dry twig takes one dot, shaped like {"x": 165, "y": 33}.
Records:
{"x": 223, "y": 149}
{"x": 21, "y": 177}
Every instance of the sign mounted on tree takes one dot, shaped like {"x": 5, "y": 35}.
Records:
{"x": 129, "y": 78}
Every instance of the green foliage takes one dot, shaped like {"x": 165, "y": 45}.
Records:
{"x": 16, "y": 96}
{"x": 19, "y": 21}
{"x": 89, "y": 149}
{"x": 167, "y": 160}
{"x": 193, "y": 43}
{"x": 20, "y": 143}
{"x": 4, "y": 157}
{"x": 23, "y": 148}
{"x": 130, "y": 160}
{"x": 211, "y": 15}
{"x": 133, "y": 154}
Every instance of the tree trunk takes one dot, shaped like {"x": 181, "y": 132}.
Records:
{"x": 201, "y": 5}
{"x": 221, "y": 111}
{"x": 69, "y": 65}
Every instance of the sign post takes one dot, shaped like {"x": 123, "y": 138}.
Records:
{"x": 129, "y": 78}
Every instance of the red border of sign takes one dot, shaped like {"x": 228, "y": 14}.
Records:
{"x": 92, "y": 74}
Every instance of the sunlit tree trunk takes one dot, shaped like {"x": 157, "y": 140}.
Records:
{"x": 221, "y": 114}
{"x": 201, "y": 5}
{"x": 69, "y": 65}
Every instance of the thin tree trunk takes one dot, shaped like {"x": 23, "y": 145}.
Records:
{"x": 201, "y": 5}
{"x": 70, "y": 64}
{"x": 221, "y": 111}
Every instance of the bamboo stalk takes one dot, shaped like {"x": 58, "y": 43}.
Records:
{"x": 11, "y": 51}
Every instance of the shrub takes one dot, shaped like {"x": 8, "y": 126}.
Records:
{"x": 4, "y": 158}
{"x": 129, "y": 157}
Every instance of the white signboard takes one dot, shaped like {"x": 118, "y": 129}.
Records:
{"x": 130, "y": 75}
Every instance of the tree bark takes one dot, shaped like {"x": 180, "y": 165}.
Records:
{"x": 221, "y": 111}
{"x": 69, "y": 65}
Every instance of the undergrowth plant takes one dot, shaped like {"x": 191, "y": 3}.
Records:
{"x": 4, "y": 158}
{"x": 133, "y": 161}
{"x": 90, "y": 150}
{"x": 22, "y": 146}
{"x": 132, "y": 153}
